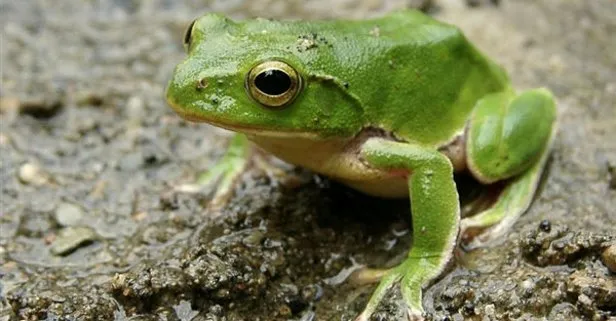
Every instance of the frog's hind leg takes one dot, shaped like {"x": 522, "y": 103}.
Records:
{"x": 514, "y": 200}
{"x": 509, "y": 139}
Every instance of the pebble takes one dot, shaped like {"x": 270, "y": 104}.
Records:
{"x": 32, "y": 174}
{"x": 42, "y": 108}
{"x": 70, "y": 239}
{"x": 423, "y": 5}
{"x": 68, "y": 214}
{"x": 9, "y": 105}
{"x": 609, "y": 258}
{"x": 477, "y": 3}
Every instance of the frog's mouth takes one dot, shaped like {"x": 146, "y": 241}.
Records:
{"x": 243, "y": 128}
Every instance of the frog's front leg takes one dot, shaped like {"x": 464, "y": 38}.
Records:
{"x": 224, "y": 173}
{"x": 508, "y": 138}
{"x": 435, "y": 216}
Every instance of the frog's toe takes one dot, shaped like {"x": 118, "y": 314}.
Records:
{"x": 366, "y": 275}
{"x": 409, "y": 283}
{"x": 390, "y": 279}
{"x": 411, "y": 292}
{"x": 414, "y": 315}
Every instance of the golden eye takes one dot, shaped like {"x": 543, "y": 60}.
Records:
{"x": 188, "y": 35}
{"x": 273, "y": 83}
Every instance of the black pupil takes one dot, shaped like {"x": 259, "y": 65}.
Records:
{"x": 273, "y": 82}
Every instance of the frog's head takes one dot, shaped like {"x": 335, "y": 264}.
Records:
{"x": 254, "y": 78}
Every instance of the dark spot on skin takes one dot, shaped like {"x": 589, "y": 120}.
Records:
{"x": 202, "y": 84}
{"x": 346, "y": 85}
{"x": 311, "y": 41}
{"x": 214, "y": 100}
{"x": 545, "y": 226}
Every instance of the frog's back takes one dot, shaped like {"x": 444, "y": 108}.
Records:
{"x": 435, "y": 76}
{"x": 421, "y": 77}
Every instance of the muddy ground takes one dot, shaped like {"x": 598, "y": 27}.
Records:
{"x": 90, "y": 228}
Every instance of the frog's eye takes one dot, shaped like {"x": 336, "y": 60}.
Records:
{"x": 273, "y": 83}
{"x": 188, "y": 35}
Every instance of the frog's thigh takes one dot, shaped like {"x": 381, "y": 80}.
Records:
{"x": 435, "y": 215}
{"x": 509, "y": 136}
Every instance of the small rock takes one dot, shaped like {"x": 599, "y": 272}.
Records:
{"x": 254, "y": 239}
{"x": 135, "y": 110}
{"x": 41, "y": 108}
{"x": 545, "y": 226}
{"x": 477, "y": 3}
{"x": 611, "y": 173}
{"x": 8, "y": 105}
{"x": 70, "y": 239}
{"x": 68, "y": 214}
{"x": 86, "y": 98}
{"x": 184, "y": 311}
{"x": 584, "y": 300}
{"x": 4, "y": 139}
{"x": 423, "y": 5}
{"x": 609, "y": 258}
{"x": 32, "y": 174}
{"x": 592, "y": 290}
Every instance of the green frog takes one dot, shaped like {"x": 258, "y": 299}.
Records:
{"x": 390, "y": 106}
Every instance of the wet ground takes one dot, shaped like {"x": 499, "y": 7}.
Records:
{"x": 90, "y": 228}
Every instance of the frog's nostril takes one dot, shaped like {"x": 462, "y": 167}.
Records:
{"x": 202, "y": 84}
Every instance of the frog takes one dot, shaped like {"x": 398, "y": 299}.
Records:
{"x": 393, "y": 106}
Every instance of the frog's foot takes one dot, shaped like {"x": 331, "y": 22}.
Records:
{"x": 491, "y": 224}
{"x": 280, "y": 173}
{"x": 221, "y": 178}
{"x": 411, "y": 276}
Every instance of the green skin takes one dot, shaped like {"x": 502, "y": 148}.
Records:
{"x": 391, "y": 106}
